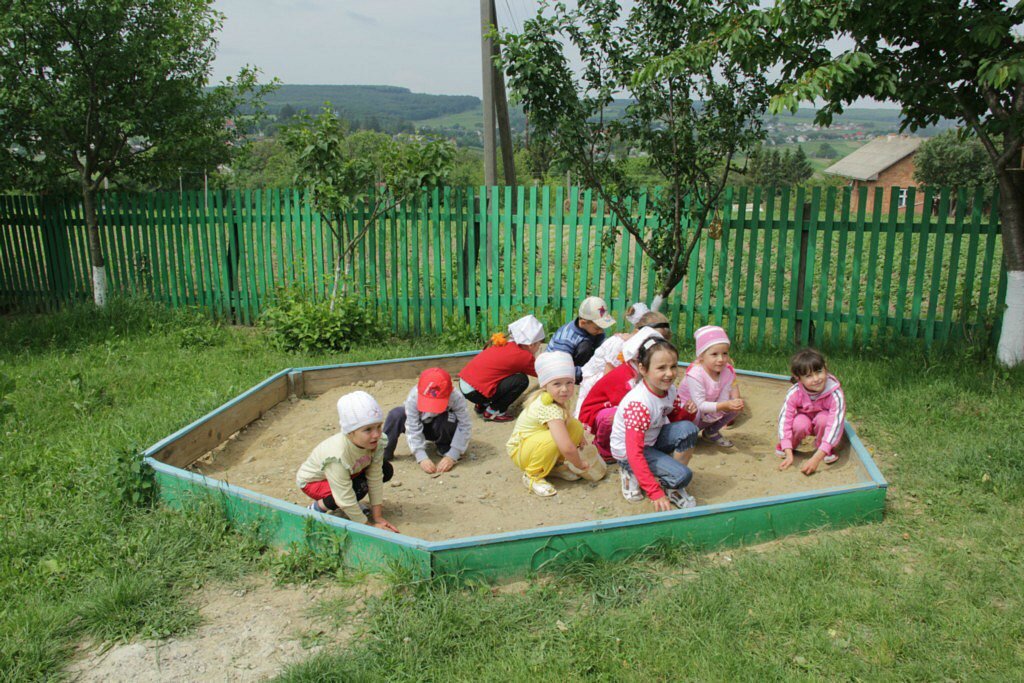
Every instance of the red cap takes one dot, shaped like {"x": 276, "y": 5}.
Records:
{"x": 433, "y": 390}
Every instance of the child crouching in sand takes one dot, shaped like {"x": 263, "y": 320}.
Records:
{"x": 349, "y": 465}
{"x": 546, "y": 439}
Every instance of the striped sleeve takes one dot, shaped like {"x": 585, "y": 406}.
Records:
{"x": 786, "y": 416}
{"x": 837, "y": 419}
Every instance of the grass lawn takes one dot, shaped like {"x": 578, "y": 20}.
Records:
{"x": 933, "y": 592}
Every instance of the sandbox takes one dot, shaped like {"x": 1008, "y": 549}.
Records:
{"x": 478, "y": 518}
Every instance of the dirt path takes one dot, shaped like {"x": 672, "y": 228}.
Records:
{"x": 483, "y": 494}
{"x": 248, "y": 632}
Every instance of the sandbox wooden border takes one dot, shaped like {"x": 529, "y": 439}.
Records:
{"x": 492, "y": 556}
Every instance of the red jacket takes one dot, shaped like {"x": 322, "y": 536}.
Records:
{"x": 608, "y": 392}
{"x": 495, "y": 363}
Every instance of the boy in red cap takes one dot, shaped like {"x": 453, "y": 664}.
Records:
{"x": 431, "y": 413}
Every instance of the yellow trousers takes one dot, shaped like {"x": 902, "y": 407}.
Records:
{"x": 538, "y": 454}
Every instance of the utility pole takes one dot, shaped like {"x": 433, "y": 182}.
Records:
{"x": 487, "y": 21}
{"x": 508, "y": 160}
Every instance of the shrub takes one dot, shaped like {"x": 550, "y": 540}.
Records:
{"x": 301, "y": 324}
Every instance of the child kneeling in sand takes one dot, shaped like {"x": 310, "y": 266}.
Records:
{"x": 432, "y": 412}
{"x": 349, "y": 465}
{"x": 546, "y": 439}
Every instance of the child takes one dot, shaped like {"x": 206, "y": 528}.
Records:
{"x": 608, "y": 356}
{"x": 546, "y": 440}
{"x": 597, "y": 411}
{"x": 709, "y": 383}
{"x": 651, "y": 437}
{"x": 431, "y": 413}
{"x": 581, "y": 337}
{"x": 814, "y": 405}
{"x": 495, "y": 377}
{"x": 345, "y": 467}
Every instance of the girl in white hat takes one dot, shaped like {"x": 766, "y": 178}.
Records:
{"x": 350, "y": 465}
{"x": 546, "y": 438}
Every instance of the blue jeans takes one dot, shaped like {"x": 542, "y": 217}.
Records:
{"x": 674, "y": 437}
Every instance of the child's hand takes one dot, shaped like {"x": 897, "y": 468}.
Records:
{"x": 811, "y": 466}
{"x": 445, "y": 464}
{"x": 734, "y": 405}
{"x": 690, "y": 407}
{"x": 662, "y": 504}
{"x": 788, "y": 460}
{"x": 427, "y": 466}
{"x": 384, "y": 524}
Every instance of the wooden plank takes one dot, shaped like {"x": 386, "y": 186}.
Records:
{"x": 638, "y": 254}
{"x": 494, "y": 226}
{"x": 738, "y": 227}
{"x": 972, "y": 256}
{"x": 922, "y": 259}
{"x": 531, "y": 268}
{"x": 937, "y": 264}
{"x": 840, "y": 279}
{"x": 807, "y": 314}
{"x": 518, "y": 221}
{"x": 545, "y": 250}
{"x": 868, "y": 326}
{"x": 623, "y": 266}
{"x": 988, "y": 262}
{"x": 583, "y": 285}
{"x": 888, "y": 264}
{"x": 757, "y": 231}
{"x": 907, "y": 231}
{"x": 782, "y": 266}
{"x": 448, "y": 255}
{"x": 710, "y": 249}
{"x": 504, "y": 219}
{"x": 795, "y": 262}
{"x": 570, "y": 259}
{"x": 437, "y": 281}
{"x": 402, "y": 220}
{"x": 945, "y": 327}
{"x": 472, "y": 218}
{"x": 723, "y": 258}
{"x": 318, "y": 381}
{"x": 219, "y": 427}
{"x": 858, "y": 251}
{"x": 766, "y": 266}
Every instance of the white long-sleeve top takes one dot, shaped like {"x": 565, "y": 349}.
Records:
{"x": 414, "y": 421}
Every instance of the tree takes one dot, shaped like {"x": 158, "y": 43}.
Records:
{"x": 286, "y": 113}
{"x": 954, "y": 161}
{"x": 92, "y": 90}
{"x": 692, "y": 110}
{"x": 827, "y": 151}
{"x": 343, "y": 171}
{"x": 939, "y": 59}
{"x": 798, "y": 167}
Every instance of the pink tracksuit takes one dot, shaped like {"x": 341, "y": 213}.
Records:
{"x": 803, "y": 414}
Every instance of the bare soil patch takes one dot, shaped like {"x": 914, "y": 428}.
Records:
{"x": 483, "y": 494}
{"x": 249, "y": 632}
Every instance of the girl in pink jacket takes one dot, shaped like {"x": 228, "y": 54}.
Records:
{"x": 710, "y": 383}
{"x": 814, "y": 405}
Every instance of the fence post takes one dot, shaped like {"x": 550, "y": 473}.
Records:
{"x": 801, "y": 278}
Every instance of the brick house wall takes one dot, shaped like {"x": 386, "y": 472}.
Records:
{"x": 900, "y": 174}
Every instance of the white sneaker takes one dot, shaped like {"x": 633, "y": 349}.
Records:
{"x": 681, "y": 498}
{"x": 630, "y": 486}
{"x": 830, "y": 458}
{"x": 541, "y": 487}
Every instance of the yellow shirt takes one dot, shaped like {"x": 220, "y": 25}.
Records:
{"x": 534, "y": 418}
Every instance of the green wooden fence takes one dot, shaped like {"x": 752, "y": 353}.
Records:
{"x": 807, "y": 264}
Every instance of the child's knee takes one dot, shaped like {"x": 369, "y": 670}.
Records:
{"x": 679, "y": 477}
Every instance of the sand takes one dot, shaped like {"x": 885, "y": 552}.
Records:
{"x": 483, "y": 494}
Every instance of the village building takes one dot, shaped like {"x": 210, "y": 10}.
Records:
{"x": 885, "y": 162}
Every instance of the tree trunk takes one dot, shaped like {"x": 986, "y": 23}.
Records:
{"x": 99, "y": 265}
{"x": 1011, "y": 217}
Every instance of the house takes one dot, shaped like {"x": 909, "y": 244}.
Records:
{"x": 885, "y": 162}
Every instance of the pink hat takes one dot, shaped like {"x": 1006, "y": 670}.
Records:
{"x": 708, "y": 336}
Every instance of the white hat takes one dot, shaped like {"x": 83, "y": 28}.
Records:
{"x": 631, "y": 348}
{"x": 358, "y": 409}
{"x": 639, "y": 308}
{"x": 552, "y": 365}
{"x": 595, "y": 310}
{"x": 527, "y": 330}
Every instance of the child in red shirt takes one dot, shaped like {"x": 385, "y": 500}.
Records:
{"x": 497, "y": 376}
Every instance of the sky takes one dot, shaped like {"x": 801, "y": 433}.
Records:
{"x": 429, "y": 46}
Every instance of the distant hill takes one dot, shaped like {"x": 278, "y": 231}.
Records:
{"x": 370, "y": 100}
